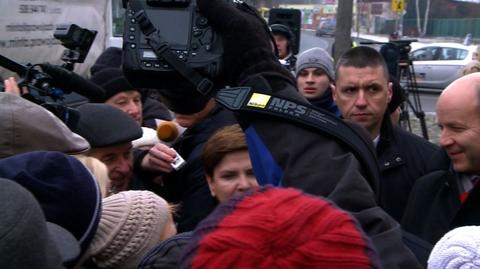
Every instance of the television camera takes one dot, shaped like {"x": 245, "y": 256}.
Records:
{"x": 164, "y": 39}
{"x": 46, "y": 82}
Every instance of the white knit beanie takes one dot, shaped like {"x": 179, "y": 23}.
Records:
{"x": 131, "y": 224}
{"x": 457, "y": 249}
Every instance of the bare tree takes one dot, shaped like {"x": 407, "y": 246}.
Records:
{"x": 422, "y": 32}
{"x": 343, "y": 33}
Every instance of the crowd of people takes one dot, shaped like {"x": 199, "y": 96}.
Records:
{"x": 254, "y": 190}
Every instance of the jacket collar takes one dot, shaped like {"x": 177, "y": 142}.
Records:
{"x": 387, "y": 150}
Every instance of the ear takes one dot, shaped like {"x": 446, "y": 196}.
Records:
{"x": 211, "y": 185}
{"x": 390, "y": 91}
{"x": 334, "y": 91}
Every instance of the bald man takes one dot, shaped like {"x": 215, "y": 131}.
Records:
{"x": 449, "y": 196}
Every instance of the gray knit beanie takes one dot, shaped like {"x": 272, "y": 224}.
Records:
{"x": 317, "y": 58}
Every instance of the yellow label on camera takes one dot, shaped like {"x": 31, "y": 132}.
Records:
{"x": 258, "y": 100}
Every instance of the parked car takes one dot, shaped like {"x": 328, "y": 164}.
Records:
{"x": 326, "y": 28}
{"x": 436, "y": 65}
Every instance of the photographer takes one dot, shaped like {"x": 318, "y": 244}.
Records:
{"x": 292, "y": 154}
{"x": 391, "y": 54}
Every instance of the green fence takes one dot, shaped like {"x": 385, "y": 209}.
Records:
{"x": 438, "y": 27}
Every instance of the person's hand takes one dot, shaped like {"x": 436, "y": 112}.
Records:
{"x": 159, "y": 158}
{"x": 11, "y": 86}
{"x": 246, "y": 40}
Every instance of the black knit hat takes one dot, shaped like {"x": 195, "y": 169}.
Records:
{"x": 280, "y": 29}
{"x": 182, "y": 98}
{"x": 104, "y": 125}
{"x": 65, "y": 189}
{"x": 113, "y": 81}
{"x": 111, "y": 57}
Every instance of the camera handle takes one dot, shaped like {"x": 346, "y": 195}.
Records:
{"x": 161, "y": 49}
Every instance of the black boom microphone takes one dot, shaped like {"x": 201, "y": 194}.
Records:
{"x": 69, "y": 81}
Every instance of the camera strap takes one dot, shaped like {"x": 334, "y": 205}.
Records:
{"x": 245, "y": 99}
{"x": 162, "y": 50}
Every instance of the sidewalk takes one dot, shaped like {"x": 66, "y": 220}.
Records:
{"x": 430, "y": 122}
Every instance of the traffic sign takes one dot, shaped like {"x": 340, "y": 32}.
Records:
{"x": 398, "y": 6}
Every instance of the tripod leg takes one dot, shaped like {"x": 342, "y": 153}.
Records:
{"x": 408, "y": 73}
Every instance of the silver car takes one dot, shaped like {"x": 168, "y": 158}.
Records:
{"x": 438, "y": 64}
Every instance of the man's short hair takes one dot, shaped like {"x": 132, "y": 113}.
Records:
{"x": 361, "y": 57}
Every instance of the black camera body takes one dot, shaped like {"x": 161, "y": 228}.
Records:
{"x": 404, "y": 47}
{"x": 78, "y": 42}
{"x": 188, "y": 34}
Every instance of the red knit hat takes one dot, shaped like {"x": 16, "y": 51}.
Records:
{"x": 279, "y": 228}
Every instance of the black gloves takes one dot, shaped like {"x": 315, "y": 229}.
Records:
{"x": 248, "y": 48}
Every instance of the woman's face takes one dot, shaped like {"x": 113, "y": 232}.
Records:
{"x": 233, "y": 175}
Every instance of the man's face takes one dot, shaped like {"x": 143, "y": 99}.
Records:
{"x": 119, "y": 161}
{"x": 459, "y": 122}
{"x": 312, "y": 82}
{"x": 362, "y": 95}
{"x": 282, "y": 45}
{"x": 129, "y": 102}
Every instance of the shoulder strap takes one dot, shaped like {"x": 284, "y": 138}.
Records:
{"x": 246, "y": 99}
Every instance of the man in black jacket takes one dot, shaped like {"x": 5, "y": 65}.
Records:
{"x": 362, "y": 92}
{"x": 449, "y": 196}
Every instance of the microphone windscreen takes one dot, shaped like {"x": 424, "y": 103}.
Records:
{"x": 167, "y": 131}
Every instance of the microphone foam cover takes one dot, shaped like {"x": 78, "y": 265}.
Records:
{"x": 167, "y": 131}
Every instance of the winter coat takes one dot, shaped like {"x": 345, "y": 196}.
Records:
{"x": 289, "y": 63}
{"x": 188, "y": 186}
{"x": 403, "y": 158}
{"x": 326, "y": 102}
{"x": 285, "y": 153}
{"x": 434, "y": 207}
{"x": 167, "y": 254}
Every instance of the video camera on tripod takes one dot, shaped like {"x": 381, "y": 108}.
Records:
{"x": 404, "y": 47}
{"x": 51, "y": 81}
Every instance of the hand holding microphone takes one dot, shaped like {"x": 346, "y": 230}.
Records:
{"x": 166, "y": 133}
{"x": 160, "y": 156}
{"x": 169, "y": 131}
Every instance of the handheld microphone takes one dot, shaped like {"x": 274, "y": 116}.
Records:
{"x": 69, "y": 81}
{"x": 168, "y": 131}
